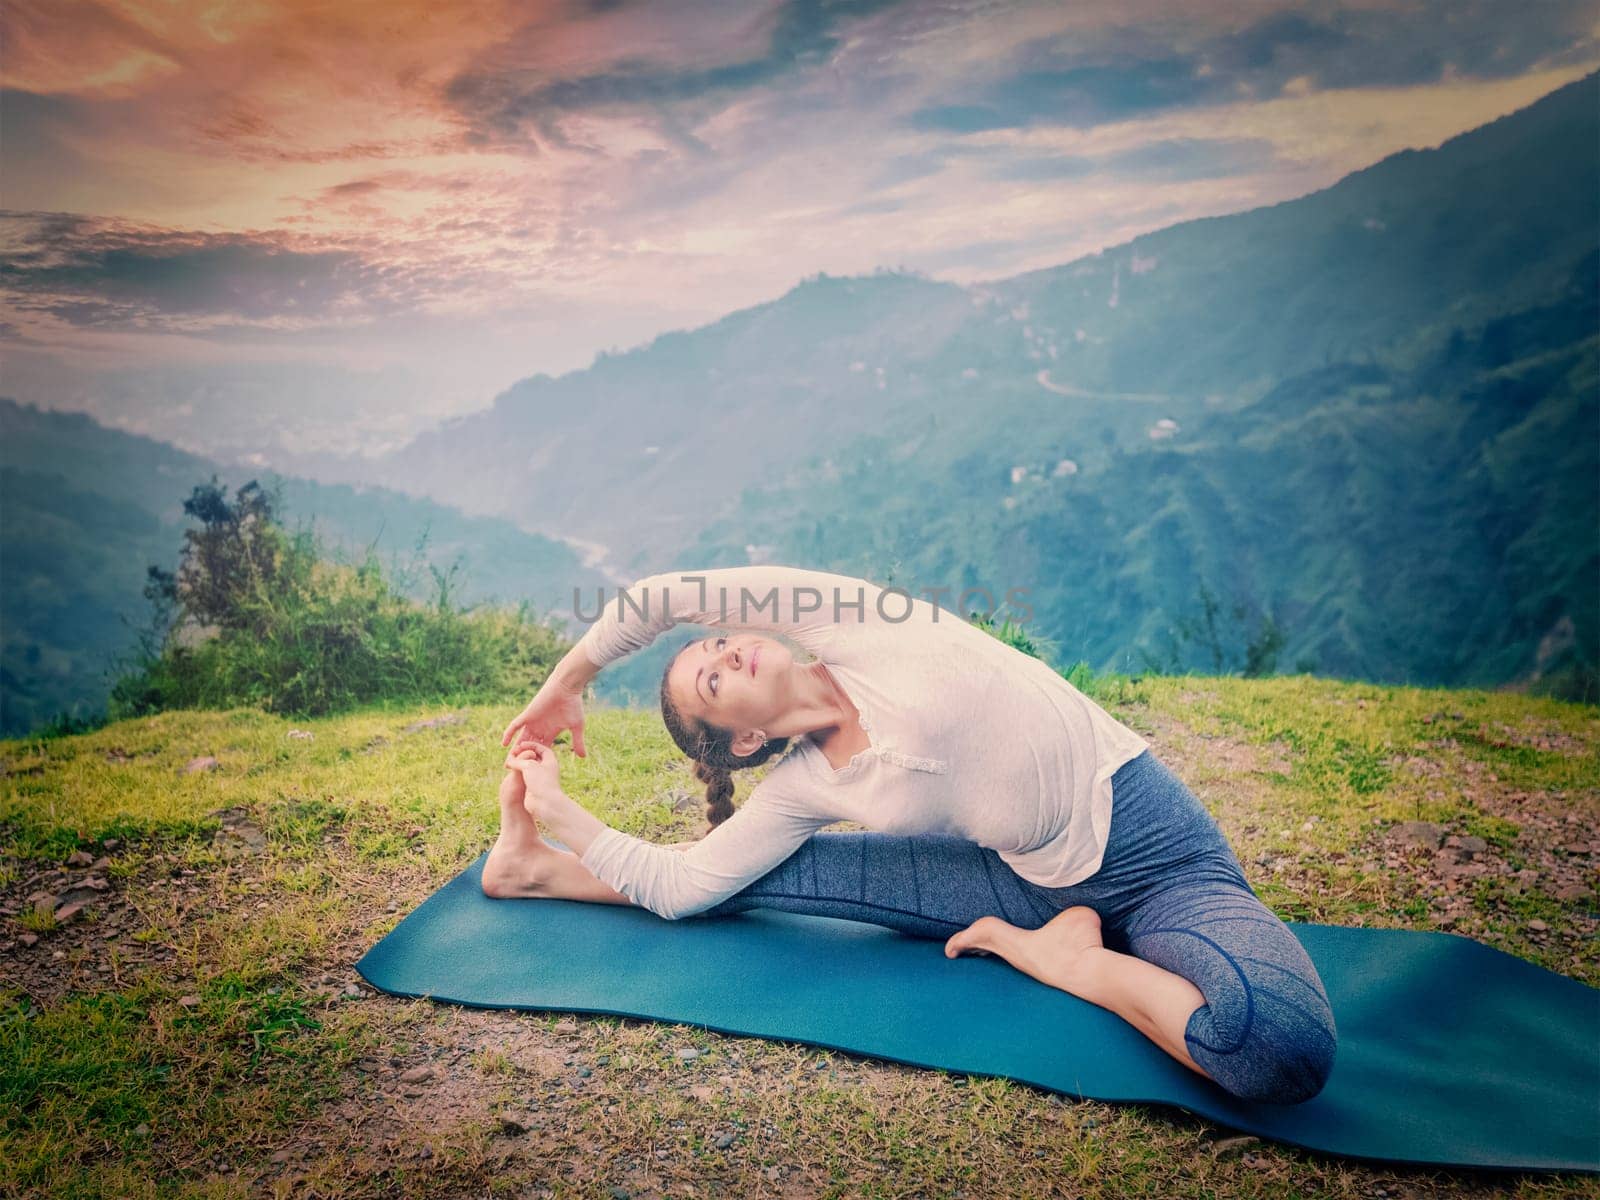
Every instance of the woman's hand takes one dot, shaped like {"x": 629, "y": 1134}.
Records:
{"x": 541, "y": 772}
{"x": 554, "y": 708}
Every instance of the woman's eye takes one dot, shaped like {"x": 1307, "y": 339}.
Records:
{"x": 712, "y": 682}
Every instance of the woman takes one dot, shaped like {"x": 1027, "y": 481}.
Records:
{"x": 1018, "y": 817}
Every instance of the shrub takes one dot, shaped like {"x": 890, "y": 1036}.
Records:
{"x": 257, "y": 615}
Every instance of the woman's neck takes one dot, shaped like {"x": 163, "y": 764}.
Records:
{"x": 821, "y": 705}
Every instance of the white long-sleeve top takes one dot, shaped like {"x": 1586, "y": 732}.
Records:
{"x": 969, "y": 736}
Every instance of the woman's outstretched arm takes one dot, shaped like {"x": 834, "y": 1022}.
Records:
{"x": 766, "y": 829}
{"x": 806, "y": 605}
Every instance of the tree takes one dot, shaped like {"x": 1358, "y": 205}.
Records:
{"x": 1261, "y": 649}
{"x": 238, "y": 550}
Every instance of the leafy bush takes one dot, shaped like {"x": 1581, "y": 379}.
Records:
{"x": 255, "y": 615}
{"x": 1080, "y": 675}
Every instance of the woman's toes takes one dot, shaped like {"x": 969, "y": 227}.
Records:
{"x": 983, "y": 936}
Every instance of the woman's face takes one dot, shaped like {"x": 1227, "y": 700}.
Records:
{"x": 734, "y": 681}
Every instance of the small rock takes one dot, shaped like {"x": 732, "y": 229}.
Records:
{"x": 701, "y": 1092}
{"x": 189, "y": 1001}
{"x": 204, "y": 763}
{"x": 280, "y": 1156}
{"x": 584, "y": 1072}
{"x": 417, "y": 1075}
{"x": 141, "y": 1130}
{"x": 618, "y": 1193}
{"x": 79, "y": 859}
{"x": 29, "y": 939}
{"x": 1571, "y": 892}
{"x": 511, "y": 1127}
{"x": 353, "y": 990}
{"x": 688, "y": 1055}
{"x": 111, "y": 843}
{"x": 1537, "y": 925}
{"x": 566, "y": 1027}
{"x": 434, "y": 723}
{"x": 1473, "y": 845}
{"x": 724, "y": 1140}
{"x": 240, "y": 837}
{"x": 301, "y": 735}
{"x": 1420, "y": 833}
{"x": 1229, "y": 1144}
{"x": 67, "y": 911}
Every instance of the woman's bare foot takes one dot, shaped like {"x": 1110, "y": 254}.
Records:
{"x": 1058, "y": 953}
{"x": 1069, "y": 953}
{"x": 520, "y": 863}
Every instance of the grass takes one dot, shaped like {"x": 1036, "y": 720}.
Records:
{"x": 189, "y": 1033}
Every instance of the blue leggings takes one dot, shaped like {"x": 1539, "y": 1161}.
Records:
{"x": 1169, "y": 890}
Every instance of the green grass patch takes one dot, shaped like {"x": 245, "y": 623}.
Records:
{"x": 364, "y": 814}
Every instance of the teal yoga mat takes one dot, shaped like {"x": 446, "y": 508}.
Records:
{"x": 1450, "y": 1053}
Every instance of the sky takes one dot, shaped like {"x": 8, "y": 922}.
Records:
{"x": 251, "y": 226}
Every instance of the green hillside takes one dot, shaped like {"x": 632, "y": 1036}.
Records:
{"x": 1363, "y": 420}
{"x": 84, "y": 510}
{"x": 1435, "y": 524}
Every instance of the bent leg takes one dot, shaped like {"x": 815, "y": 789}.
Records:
{"x": 929, "y": 885}
{"x": 1265, "y": 1031}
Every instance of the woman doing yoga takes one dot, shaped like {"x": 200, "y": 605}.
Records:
{"x": 1011, "y": 815}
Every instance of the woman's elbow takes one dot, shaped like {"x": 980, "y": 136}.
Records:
{"x": 679, "y": 909}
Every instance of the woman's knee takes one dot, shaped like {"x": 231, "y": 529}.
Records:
{"x": 1277, "y": 1063}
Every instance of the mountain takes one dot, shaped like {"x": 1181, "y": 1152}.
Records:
{"x": 1354, "y": 432}
{"x": 1436, "y": 523}
{"x": 87, "y": 509}
{"x": 1360, "y": 424}
{"x": 641, "y": 450}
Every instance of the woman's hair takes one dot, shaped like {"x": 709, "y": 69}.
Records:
{"x": 709, "y": 746}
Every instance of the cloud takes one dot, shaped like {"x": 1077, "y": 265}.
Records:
{"x": 106, "y": 273}
{"x": 1117, "y": 73}
{"x": 481, "y": 190}
{"x": 504, "y": 103}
